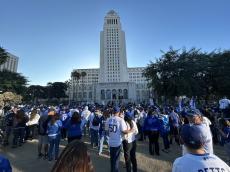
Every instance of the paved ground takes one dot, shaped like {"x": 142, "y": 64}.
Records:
{"x": 25, "y": 158}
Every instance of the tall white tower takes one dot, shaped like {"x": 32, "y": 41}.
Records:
{"x": 113, "y": 61}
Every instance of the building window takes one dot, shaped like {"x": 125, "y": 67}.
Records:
{"x": 125, "y": 92}
{"x": 108, "y": 94}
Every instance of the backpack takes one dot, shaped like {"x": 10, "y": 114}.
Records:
{"x": 96, "y": 120}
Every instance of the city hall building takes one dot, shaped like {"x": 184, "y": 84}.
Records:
{"x": 113, "y": 81}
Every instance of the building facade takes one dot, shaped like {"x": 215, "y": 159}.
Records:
{"x": 113, "y": 81}
{"x": 11, "y": 63}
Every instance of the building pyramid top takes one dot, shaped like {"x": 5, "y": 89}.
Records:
{"x": 112, "y": 12}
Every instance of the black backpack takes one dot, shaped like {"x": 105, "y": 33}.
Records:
{"x": 96, "y": 120}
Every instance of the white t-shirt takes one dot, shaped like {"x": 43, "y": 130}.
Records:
{"x": 34, "y": 120}
{"x": 200, "y": 163}
{"x": 130, "y": 137}
{"x": 206, "y": 121}
{"x": 116, "y": 126}
{"x": 85, "y": 114}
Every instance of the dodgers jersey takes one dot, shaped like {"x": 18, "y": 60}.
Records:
{"x": 200, "y": 163}
{"x": 116, "y": 126}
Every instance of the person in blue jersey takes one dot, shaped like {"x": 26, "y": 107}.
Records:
{"x": 103, "y": 134}
{"x": 5, "y": 164}
{"x": 53, "y": 131}
{"x": 74, "y": 127}
{"x": 197, "y": 159}
{"x": 151, "y": 128}
{"x": 164, "y": 131}
{"x": 174, "y": 121}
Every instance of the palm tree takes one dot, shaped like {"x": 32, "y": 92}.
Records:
{"x": 3, "y": 55}
{"x": 76, "y": 76}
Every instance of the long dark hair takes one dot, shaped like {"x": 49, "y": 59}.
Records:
{"x": 128, "y": 119}
{"x": 74, "y": 158}
{"x": 76, "y": 118}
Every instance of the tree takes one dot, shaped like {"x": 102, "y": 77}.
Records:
{"x": 10, "y": 98}
{"x": 11, "y": 81}
{"x": 57, "y": 89}
{"x": 35, "y": 92}
{"x": 191, "y": 73}
{"x": 3, "y": 55}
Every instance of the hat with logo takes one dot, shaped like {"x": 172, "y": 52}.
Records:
{"x": 192, "y": 136}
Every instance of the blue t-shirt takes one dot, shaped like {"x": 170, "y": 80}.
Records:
{"x": 53, "y": 130}
{"x": 73, "y": 130}
{"x": 164, "y": 124}
{"x": 5, "y": 165}
{"x": 151, "y": 123}
{"x": 174, "y": 119}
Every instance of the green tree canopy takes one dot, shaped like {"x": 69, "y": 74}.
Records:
{"x": 190, "y": 72}
{"x": 3, "y": 55}
{"x": 11, "y": 81}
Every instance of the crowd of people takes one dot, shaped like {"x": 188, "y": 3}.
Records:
{"x": 118, "y": 128}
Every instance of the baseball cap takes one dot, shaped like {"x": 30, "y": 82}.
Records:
{"x": 192, "y": 136}
{"x": 193, "y": 112}
{"x": 128, "y": 114}
{"x": 116, "y": 109}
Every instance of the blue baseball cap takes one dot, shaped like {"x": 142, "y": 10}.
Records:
{"x": 128, "y": 114}
{"x": 192, "y": 136}
{"x": 116, "y": 109}
{"x": 193, "y": 112}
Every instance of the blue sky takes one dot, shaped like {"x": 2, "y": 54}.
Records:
{"x": 53, "y": 37}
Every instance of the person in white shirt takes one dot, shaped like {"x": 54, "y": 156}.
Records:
{"x": 197, "y": 160}
{"x": 116, "y": 128}
{"x": 129, "y": 144}
{"x": 85, "y": 117}
{"x": 32, "y": 124}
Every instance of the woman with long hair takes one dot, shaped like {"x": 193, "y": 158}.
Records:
{"x": 74, "y": 127}
{"x": 129, "y": 144}
{"x": 53, "y": 131}
{"x": 74, "y": 158}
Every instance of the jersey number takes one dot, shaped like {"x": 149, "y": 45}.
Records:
{"x": 112, "y": 128}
